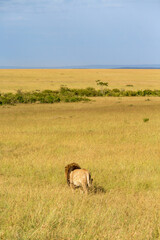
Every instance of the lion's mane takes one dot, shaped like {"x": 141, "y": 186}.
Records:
{"x": 69, "y": 168}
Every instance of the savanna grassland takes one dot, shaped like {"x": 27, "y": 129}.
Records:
{"x": 41, "y": 79}
{"x": 117, "y": 139}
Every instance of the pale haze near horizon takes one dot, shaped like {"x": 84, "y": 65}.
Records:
{"x": 50, "y": 33}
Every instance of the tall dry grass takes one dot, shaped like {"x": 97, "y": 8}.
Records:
{"x": 110, "y": 138}
{"x": 32, "y": 79}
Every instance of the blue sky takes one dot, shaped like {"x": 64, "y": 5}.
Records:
{"x": 46, "y": 33}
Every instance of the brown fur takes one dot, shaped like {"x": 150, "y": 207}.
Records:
{"x": 77, "y": 177}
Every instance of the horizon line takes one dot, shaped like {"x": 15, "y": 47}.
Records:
{"x": 90, "y": 66}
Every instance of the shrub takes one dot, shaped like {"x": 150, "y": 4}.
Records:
{"x": 99, "y": 82}
{"x": 65, "y": 94}
{"x": 145, "y": 119}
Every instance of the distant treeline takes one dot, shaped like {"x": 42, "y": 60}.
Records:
{"x": 65, "y": 94}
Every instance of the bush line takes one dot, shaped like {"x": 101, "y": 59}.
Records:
{"x": 65, "y": 94}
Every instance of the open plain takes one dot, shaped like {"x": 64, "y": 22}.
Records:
{"x": 116, "y": 139}
{"x": 32, "y": 79}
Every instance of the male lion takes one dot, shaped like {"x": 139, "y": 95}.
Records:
{"x": 77, "y": 177}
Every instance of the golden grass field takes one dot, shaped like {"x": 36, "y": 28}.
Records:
{"x": 107, "y": 136}
{"x": 32, "y": 79}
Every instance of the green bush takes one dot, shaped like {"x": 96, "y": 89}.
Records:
{"x": 99, "y": 82}
{"x": 145, "y": 119}
{"x": 65, "y": 94}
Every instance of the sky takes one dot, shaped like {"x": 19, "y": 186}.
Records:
{"x": 55, "y": 33}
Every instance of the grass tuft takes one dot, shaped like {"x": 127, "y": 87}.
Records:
{"x": 145, "y": 119}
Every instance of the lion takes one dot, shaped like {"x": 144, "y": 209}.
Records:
{"x": 78, "y": 177}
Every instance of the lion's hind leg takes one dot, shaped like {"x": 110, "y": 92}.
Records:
{"x": 85, "y": 188}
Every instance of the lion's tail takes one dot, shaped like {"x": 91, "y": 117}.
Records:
{"x": 69, "y": 168}
{"x": 89, "y": 180}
